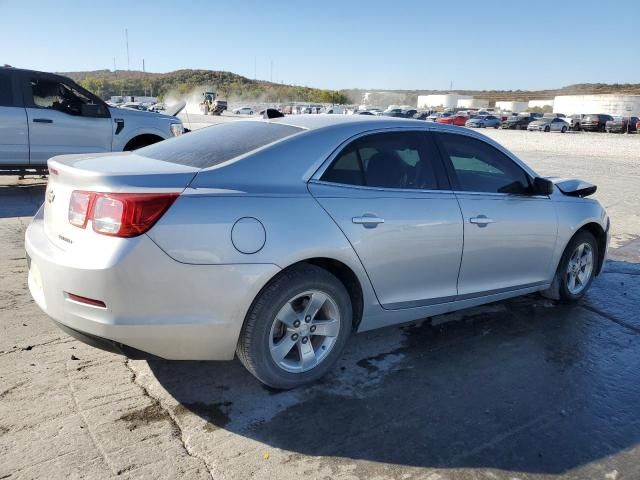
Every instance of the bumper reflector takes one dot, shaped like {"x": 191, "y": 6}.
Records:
{"x": 85, "y": 300}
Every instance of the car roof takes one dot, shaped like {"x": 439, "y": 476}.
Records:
{"x": 320, "y": 121}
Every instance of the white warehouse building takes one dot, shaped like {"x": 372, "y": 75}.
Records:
{"x": 472, "y": 103}
{"x": 540, "y": 103}
{"x": 612, "y": 104}
{"x": 515, "y": 107}
{"x": 450, "y": 100}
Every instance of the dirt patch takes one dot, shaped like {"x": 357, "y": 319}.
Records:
{"x": 145, "y": 416}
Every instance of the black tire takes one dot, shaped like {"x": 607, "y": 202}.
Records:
{"x": 547, "y": 129}
{"x": 253, "y": 347}
{"x": 576, "y": 127}
{"x": 582, "y": 237}
{"x": 564, "y": 129}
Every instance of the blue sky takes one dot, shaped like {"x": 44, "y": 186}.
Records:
{"x": 402, "y": 44}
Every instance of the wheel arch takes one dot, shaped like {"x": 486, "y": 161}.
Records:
{"x": 600, "y": 235}
{"x": 343, "y": 273}
{"x": 142, "y": 140}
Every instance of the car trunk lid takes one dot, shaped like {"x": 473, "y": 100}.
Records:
{"x": 110, "y": 173}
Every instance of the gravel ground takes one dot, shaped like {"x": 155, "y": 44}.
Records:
{"x": 517, "y": 390}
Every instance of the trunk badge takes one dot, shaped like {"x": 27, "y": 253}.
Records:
{"x": 51, "y": 196}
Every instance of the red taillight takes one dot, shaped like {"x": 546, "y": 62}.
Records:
{"x": 119, "y": 214}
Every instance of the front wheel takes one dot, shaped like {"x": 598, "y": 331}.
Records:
{"x": 547, "y": 129}
{"x": 578, "y": 266}
{"x": 564, "y": 129}
{"x": 296, "y": 328}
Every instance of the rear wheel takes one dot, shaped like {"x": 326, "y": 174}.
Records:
{"x": 547, "y": 129}
{"x": 564, "y": 129}
{"x": 578, "y": 266}
{"x": 297, "y": 328}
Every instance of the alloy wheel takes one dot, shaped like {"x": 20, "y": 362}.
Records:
{"x": 304, "y": 331}
{"x": 579, "y": 268}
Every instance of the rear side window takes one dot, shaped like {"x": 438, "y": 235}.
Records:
{"x": 6, "y": 90}
{"x": 479, "y": 167}
{"x": 387, "y": 160}
{"x": 216, "y": 144}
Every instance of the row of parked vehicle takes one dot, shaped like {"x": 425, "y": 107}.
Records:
{"x": 549, "y": 122}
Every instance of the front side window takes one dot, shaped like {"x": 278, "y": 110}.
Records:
{"x": 479, "y": 167}
{"x": 55, "y": 95}
{"x": 386, "y": 160}
{"x": 6, "y": 90}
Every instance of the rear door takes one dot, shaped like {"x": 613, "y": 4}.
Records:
{"x": 389, "y": 194}
{"x": 509, "y": 234}
{"x": 14, "y": 132}
{"x": 63, "y": 119}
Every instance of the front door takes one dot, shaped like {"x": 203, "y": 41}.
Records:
{"x": 389, "y": 194}
{"x": 14, "y": 133}
{"x": 509, "y": 234}
{"x": 61, "y": 123}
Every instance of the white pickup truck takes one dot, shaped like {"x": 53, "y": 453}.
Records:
{"x": 43, "y": 115}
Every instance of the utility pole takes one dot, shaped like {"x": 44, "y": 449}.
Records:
{"x": 271, "y": 72}
{"x": 126, "y": 39}
{"x": 255, "y": 60}
{"x": 114, "y": 66}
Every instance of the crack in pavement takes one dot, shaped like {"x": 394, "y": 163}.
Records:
{"x": 94, "y": 440}
{"x": 610, "y": 317}
{"x": 171, "y": 418}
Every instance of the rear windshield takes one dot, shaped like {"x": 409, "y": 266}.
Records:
{"x": 216, "y": 144}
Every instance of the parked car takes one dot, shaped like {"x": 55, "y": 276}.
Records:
{"x": 638, "y": 127}
{"x": 548, "y": 124}
{"x": 364, "y": 112}
{"x": 434, "y": 116}
{"x": 43, "y": 115}
{"x": 517, "y": 122}
{"x": 595, "y": 122}
{"x": 458, "y": 120}
{"x": 422, "y": 115}
{"x": 243, "y": 111}
{"x": 574, "y": 121}
{"x": 483, "y": 121}
{"x": 399, "y": 113}
{"x": 304, "y": 253}
{"x": 622, "y": 125}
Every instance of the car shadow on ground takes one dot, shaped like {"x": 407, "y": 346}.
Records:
{"x": 523, "y": 385}
{"x": 21, "y": 200}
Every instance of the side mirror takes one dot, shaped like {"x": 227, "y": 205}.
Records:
{"x": 542, "y": 186}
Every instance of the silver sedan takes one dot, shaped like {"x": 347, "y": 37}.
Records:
{"x": 276, "y": 240}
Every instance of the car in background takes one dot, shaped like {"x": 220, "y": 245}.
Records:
{"x": 548, "y": 124}
{"x": 134, "y": 106}
{"x": 638, "y": 127}
{"x": 483, "y": 121}
{"x": 595, "y": 122}
{"x": 457, "y": 119}
{"x": 157, "y": 107}
{"x": 243, "y": 111}
{"x": 422, "y": 115}
{"x": 434, "y": 116}
{"x": 364, "y": 112}
{"x": 622, "y": 125}
{"x": 147, "y": 253}
{"x": 399, "y": 113}
{"x": 574, "y": 121}
{"x": 517, "y": 122}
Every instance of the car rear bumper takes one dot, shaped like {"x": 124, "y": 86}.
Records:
{"x": 152, "y": 304}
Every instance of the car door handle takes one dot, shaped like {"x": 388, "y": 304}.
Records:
{"x": 368, "y": 221}
{"x": 42, "y": 120}
{"x": 481, "y": 220}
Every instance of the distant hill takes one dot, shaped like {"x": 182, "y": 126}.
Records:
{"x": 106, "y": 83}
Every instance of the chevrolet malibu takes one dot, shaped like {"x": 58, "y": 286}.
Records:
{"x": 275, "y": 240}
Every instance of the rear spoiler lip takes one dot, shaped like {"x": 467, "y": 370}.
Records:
{"x": 573, "y": 187}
